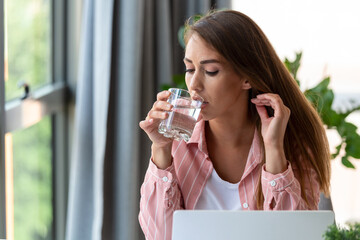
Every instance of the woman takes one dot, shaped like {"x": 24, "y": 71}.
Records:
{"x": 259, "y": 143}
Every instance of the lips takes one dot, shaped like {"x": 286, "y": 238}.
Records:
{"x": 204, "y": 104}
{"x": 199, "y": 98}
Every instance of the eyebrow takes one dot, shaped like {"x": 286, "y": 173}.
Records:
{"x": 204, "y": 61}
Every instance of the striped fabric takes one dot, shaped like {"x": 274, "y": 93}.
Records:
{"x": 180, "y": 185}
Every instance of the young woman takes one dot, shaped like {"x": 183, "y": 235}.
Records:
{"x": 259, "y": 144}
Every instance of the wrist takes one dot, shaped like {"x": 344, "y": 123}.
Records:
{"x": 162, "y": 155}
{"x": 274, "y": 148}
{"x": 275, "y": 160}
{"x": 163, "y": 146}
{"x": 274, "y": 145}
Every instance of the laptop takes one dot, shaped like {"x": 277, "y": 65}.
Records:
{"x": 231, "y": 225}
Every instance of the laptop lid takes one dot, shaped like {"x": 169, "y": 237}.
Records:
{"x": 231, "y": 225}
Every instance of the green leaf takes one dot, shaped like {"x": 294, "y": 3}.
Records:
{"x": 312, "y": 97}
{"x": 353, "y": 146}
{"x": 345, "y": 161}
{"x": 293, "y": 66}
{"x": 346, "y": 128}
{"x": 328, "y": 98}
{"x": 338, "y": 148}
{"x": 339, "y": 233}
{"x": 332, "y": 118}
{"x": 322, "y": 86}
{"x": 321, "y": 96}
{"x": 351, "y": 110}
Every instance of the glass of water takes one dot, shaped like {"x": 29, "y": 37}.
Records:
{"x": 183, "y": 116}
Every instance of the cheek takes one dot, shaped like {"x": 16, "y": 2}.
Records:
{"x": 187, "y": 79}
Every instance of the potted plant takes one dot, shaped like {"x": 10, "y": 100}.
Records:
{"x": 338, "y": 233}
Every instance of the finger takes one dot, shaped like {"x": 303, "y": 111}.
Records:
{"x": 261, "y": 102}
{"x": 268, "y": 96}
{"x": 163, "y": 96}
{"x": 262, "y": 112}
{"x": 275, "y": 102}
{"x": 162, "y": 105}
{"x": 149, "y": 124}
{"x": 146, "y": 123}
{"x": 158, "y": 115}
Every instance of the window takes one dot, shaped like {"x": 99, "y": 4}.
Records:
{"x": 29, "y": 182}
{"x": 38, "y": 49}
{"x": 27, "y": 45}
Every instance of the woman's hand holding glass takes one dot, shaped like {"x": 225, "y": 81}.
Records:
{"x": 161, "y": 146}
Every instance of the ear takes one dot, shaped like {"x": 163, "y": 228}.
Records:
{"x": 246, "y": 84}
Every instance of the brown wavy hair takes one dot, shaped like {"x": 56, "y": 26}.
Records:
{"x": 244, "y": 45}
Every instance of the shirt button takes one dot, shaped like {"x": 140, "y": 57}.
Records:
{"x": 273, "y": 183}
{"x": 245, "y": 205}
{"x": 165, "y": 179}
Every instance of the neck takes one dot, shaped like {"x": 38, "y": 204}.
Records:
{"x": 231, "y": 131}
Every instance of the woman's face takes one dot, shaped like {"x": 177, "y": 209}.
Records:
{"x": 210, "y": 76}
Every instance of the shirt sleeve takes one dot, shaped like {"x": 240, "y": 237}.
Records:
{"x": 160, "y": 196}
{"x": 282, "y": 191}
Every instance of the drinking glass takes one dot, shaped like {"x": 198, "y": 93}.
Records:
{"x": 183, "y": 116}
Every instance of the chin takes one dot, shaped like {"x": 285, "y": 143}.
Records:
{"x": 204, "y": 117}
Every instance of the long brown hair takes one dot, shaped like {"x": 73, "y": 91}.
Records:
{"x": 243, "y": 44}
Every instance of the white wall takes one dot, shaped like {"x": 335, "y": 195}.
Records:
{"x": 328, "y": 33}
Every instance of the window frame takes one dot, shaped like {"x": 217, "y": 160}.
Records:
{"x": 59, "y": 121}
{"x": 2, "y": 127}
{"x": 55, "y": 99}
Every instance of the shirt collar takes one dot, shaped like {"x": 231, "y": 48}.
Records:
{"x": 198, "y": 136}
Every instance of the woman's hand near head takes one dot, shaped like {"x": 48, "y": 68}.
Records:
{"x": 161, "y": 146}
{"x": 273, "y": 130}
{"x": 272, "y": 127}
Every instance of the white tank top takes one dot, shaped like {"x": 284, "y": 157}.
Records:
{"x": 219, "y": 195}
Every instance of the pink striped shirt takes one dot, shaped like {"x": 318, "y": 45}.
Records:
{"x": 180, "y": 185}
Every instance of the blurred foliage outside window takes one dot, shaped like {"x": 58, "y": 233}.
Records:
{"x": 28, "y": 59}
{"x": 33, "y": 182}
{"x": 27, "y": 45}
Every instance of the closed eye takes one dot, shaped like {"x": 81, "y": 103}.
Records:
{"x": 212, "y": 73}
{"x": 189, "y": 70}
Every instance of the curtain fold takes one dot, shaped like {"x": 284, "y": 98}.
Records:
{"x": 85, "y": 211}
{"x": 128, "y": 50}
{"x": 124, "y": 128}
{"x": 81, "y": 202}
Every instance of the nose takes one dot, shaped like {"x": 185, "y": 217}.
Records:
{"x": 195, "y": 83}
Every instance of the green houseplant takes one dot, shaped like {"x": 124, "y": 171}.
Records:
{"x": 337, "y": 233}
{"x": 322, "y": 96}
